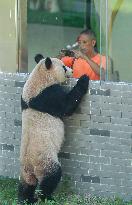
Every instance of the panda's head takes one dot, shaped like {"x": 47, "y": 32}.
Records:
{"x": 48, "y": 71}
{"x": 56, "y": 69}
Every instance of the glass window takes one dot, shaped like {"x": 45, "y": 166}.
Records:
{"x": 52, "y": 25}
{"x": 55, "y": 24}
{"x": 47, "y": 26}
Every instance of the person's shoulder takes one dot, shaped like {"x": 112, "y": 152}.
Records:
{"x": 100, "y": 56}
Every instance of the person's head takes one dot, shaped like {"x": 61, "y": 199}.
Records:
{"x": 87, "y": 41}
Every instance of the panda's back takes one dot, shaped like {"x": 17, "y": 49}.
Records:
{"x": 41, "y": 132}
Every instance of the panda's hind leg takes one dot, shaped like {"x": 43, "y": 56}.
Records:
{"x": 26, "y": 189}
{"x": 26, "y": 193}
{"x": 49, "y": 181}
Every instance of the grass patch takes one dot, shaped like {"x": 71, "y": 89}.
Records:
{"x": 8, "y": 196}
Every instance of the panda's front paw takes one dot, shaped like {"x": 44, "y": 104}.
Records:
{"x": 83, "y": 82}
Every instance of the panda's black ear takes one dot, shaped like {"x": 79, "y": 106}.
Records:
{"x": 48, "y": 63}
{"x": 38, "y": 57}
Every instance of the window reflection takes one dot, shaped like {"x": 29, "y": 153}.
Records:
{"x": 48, "y": 20}
{"x": 53, "y": 25}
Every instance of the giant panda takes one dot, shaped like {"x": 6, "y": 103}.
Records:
{"x": 44, "y": 103}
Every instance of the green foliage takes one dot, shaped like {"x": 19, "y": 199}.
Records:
{"x": 74, "y": 19}
{"x": 8, "y": 191}
{"x": 8, "y": 195}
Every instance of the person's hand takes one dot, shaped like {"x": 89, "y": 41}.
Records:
{"x": 79, "y": 54}
{"x": 60, "y": 55}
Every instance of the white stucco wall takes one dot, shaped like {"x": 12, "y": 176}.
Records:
{"x": 8, "y": 39}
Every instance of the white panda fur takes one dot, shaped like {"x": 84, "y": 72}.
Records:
{"x": 43, "y": 128}
{"x": 40, "y": 149}
{"x": 35, "y": 83}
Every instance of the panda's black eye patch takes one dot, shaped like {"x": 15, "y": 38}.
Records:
{"x": 64, "y": 68}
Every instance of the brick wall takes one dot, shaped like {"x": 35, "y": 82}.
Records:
{"x": 10, "y": 122}
{"x": 97, "y": 152}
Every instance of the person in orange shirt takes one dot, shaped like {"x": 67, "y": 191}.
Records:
{"x": 87, "y": 60}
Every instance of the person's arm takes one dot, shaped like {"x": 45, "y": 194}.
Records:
{"x": 96, "y": 68}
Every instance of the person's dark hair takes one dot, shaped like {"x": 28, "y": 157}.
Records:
{"x": 89, "y": 32}
{"x": 38, "y": 57}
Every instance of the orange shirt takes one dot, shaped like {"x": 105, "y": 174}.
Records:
{"x": 81, "y": 66}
